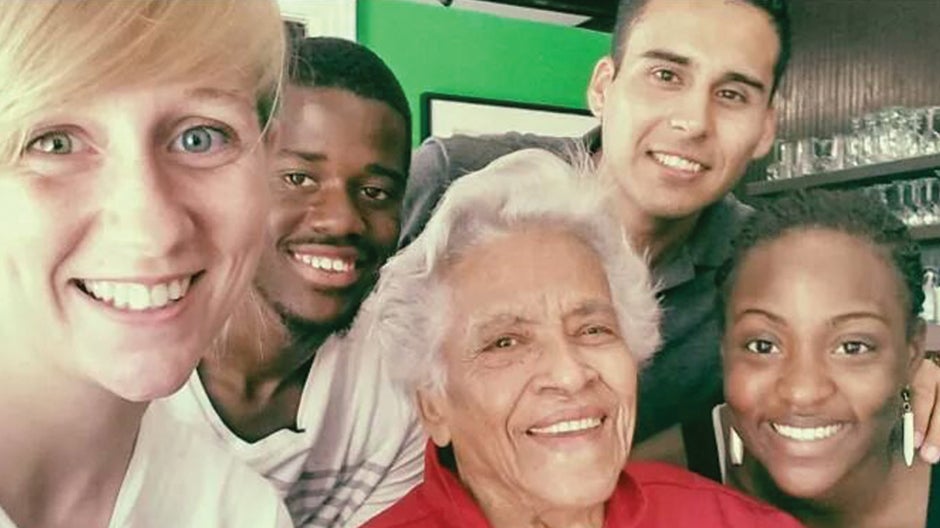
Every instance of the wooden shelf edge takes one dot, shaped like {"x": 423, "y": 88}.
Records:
{"x": 847, "y": 176}
{"x": 926, "y": 233}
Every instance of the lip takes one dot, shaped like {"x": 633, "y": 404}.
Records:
{"x": 144, "y": 318}
{"x": 320, "y": 278}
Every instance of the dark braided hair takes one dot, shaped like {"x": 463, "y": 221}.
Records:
{"x": 328, "y": 62}
{"x": 854, "y": 213}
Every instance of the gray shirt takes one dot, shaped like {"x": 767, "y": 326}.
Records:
{"x": 683, "y": 381}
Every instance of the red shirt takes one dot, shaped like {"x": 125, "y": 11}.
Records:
{"x": 648, "y": 495}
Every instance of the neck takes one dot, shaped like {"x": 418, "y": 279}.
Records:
{"x": 64, "y": 451}
{"x": 255, "y": 375}
{"x": 510, "y": 510}
{"x": 882, "y": 495}
{"x": 653, "y": 236}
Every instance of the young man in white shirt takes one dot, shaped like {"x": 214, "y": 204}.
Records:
{"x": 282, "y": 389}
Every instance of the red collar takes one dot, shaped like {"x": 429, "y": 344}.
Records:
{"x": 454, "y": 504}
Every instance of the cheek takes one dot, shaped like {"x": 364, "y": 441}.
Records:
{"x": 739, "y": 139}
{"x": 747, "y": 390}
{"x": 284, "y": 217}
{"x": 486, "y": 399}
{"x": 384, "y": 227}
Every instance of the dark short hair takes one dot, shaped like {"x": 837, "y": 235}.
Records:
{"x": 327, "y": 62}
{"x": 778, "y": 11}
{"x": 855, "y": 213}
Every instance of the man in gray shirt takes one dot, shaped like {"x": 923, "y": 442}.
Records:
{"x": 685, "y": 101}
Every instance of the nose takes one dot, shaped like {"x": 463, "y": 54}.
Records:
{"x": 805, "y": 382}
{"x": 563, "y": 368}
{"x": 146, "y": 210}
{"x": 333, "y": 212}
{"x": 691, "y": 115}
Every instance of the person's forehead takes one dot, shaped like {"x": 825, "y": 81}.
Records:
{"x": 705, "y": 31}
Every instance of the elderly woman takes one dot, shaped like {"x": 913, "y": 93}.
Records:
{"x": 822, "y": 340}
{"x": 517, "y": 321}
{"x": 133, "y": 153}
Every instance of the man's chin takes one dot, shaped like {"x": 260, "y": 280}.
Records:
{"x": 300, "y": 324}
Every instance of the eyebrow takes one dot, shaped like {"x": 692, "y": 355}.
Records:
{"x": 759, "y": 312}
{"x": 682, "y": 60}
{"x": 388, "y": 172}
{"x": 229, "y": 96}
{"x": 498, "y": 320}
{"x": 842, "y": 318}
{"x": 591, "y": 307}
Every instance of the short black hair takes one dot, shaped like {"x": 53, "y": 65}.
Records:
{"x": 328, "y": 62}
{"x": 777, "y": 10}
{"x": 855, "y": 213}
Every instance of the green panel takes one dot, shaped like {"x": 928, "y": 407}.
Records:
{"x": 436, "y": 49}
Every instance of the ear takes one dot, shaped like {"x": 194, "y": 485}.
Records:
{"x": 432, "y": 410}
{"x": 916, "y": 345}
{"x": 769, "y": 132}
{"x": 603, "y": 76}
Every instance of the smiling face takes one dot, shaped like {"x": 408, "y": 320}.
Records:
{"x": 816, "y": 353}
{"x": 687, "y": 108}
{"x": 339, "y": 179}
{"x": 540, "y": 391}
{"x": 134, "y": 223}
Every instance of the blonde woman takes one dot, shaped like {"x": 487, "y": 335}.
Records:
{"x": 133, "y": 151}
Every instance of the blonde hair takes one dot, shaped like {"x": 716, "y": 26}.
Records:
{"x": 56, "y": 51}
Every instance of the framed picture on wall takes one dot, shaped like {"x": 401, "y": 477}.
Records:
{"x": 443, "y": 115}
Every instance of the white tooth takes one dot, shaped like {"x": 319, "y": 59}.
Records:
{"x": 94, "y": 287}
{"x": 138, "y": 297}
{"x": 306, "y": 259}
{"x": 175, "y": 290}
{"x": 338, "y": 265}
{"x": 120, "y": 295}
{"x": 159, "y": 295}
{"x": 106, "y": 291}
{"x": 184, "y": 285}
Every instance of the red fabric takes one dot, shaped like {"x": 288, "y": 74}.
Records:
{"x": 648, "y": 495}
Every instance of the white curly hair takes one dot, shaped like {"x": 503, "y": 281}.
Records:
{"x": 406, "y": 316}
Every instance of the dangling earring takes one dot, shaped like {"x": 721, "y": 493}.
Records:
{"x": 735, "y": 448}
{"x": 907, "y": 433}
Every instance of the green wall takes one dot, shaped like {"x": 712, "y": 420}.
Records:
{"x": 435, "y": 49}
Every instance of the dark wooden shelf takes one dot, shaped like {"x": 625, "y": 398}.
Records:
{"x": 865, "y": 175}
{"x": 926, "y": 233}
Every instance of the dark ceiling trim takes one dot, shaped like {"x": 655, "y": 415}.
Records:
{"x": 591, "y": 8}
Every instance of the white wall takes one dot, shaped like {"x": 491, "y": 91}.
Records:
{"x": 332, "y": 18}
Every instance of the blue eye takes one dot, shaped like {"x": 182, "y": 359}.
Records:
{"x": 56, "y": 142}
{"x": 201, "y": 139}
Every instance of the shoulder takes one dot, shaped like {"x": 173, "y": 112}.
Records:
{"x": 463, "y": 154}
{"x": 182, "y": 479}
{"x": 413, "y": 510}
{"x": 664, "y": 487}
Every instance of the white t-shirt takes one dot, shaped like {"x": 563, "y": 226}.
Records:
{"x": 360, "y": 447}
{"x": 176, "y": 478}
